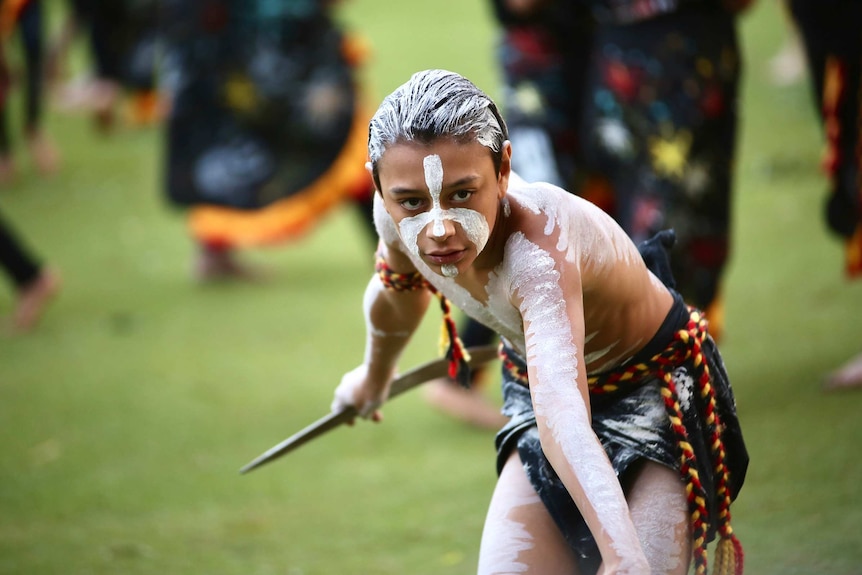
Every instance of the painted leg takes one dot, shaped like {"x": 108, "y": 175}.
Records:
{"x": 660, "y": 514}
{"x": 519, "y": 535}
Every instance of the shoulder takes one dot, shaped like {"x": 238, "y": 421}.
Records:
{"x": 569, "y": 226}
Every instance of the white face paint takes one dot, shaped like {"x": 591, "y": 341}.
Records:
{"x": 473, "y": 223}
{"x": 449, "y": 270}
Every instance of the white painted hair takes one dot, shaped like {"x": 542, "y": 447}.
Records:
{"x": 435, "y": 104}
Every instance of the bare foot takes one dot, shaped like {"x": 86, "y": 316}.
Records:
{"x": 468, "y": 405}
{"x": 33, "y": 299}
{"x": 848, "y": 376}
{"x": 44, "y": 153}
{"x": 219, "y": 265}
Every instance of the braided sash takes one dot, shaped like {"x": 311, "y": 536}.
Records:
{"x": 686, "y": 345}
{"x": 450, "y": 344}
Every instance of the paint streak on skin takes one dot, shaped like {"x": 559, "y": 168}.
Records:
{"x": 374, "y": 289}
{"x": 587, "y": 234}
{"x": 552, "y": 353}
{"x": 473, "y": 223}
{"x": 660, "y": 531}
{"x": 505, "y": 539}
{"x": 619, "y": 358}
{"x": 598, "y": 354}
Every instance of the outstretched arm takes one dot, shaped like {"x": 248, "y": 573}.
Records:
{"x": 551, "y": 305}
{"x": 391, "y": 317}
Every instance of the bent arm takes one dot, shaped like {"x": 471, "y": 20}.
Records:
{"x": 391, "y": 317}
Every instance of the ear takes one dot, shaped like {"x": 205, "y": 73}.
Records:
{"x": 370, "y": 169}
{"x": 505, "y": 169}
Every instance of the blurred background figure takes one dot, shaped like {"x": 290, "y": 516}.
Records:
{"x": 831, "y": 31}
{"x": 35, "y": 284}
{"x": 267, "y": 130}
{"x": 24, "y": 18}
{"x": 632, "y": 105}
{"x": 122, "y": 45}
{"x": 660, "y": 128}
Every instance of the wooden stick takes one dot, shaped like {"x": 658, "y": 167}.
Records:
{"x": 416, "y": 376}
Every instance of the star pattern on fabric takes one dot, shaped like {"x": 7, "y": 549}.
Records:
{"x": 528, "y": 98}
{"x": 670, "y": 153}
{"x": 614, "y": 136}
{"x": 240, "y": 93}
{"x": 697, "y": 179}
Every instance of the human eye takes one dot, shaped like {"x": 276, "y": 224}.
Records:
{"x": 461, "y": 196}
{"x": 411, "y": 204}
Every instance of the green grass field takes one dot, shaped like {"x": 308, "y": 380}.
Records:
{"x": 127, "y": 414}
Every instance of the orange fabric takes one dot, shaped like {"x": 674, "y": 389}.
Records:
{"x": 289, "y": 217}
{"x": 9, "y": 11}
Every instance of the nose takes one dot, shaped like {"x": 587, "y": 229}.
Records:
{"x": 439, "y": 229}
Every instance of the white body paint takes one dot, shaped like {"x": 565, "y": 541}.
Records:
{"x": 661, "y": 529}
{"x": 375, "y": 287}
{"x": 553, "y": 354}
{"x": 504, "y": 539}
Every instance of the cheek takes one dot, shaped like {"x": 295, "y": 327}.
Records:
{"x": 474, "y": 224}
{"x": 410, "y": 228}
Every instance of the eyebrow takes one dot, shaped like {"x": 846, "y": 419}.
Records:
{"x": 398, "y": 190}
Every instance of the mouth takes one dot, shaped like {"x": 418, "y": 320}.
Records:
{"x": 442, "y": 258}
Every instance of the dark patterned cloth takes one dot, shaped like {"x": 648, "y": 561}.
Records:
{"x": 543, "y": 59}
{"x": 632, "y": 425}
{"x": 660, "y": 120}
{"x": 263, "y": 99}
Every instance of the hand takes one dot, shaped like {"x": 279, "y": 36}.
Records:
{"x": 357, "y": 391}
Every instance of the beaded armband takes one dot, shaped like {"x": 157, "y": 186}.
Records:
{"x": 450, "y": 344}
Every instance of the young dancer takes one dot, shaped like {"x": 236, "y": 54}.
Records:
{"x": 623, "y": 450}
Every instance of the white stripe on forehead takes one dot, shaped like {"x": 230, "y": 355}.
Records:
{"x": 434, "y": 180}
{"x": 433, "y": 174}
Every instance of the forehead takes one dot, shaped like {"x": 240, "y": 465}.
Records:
{"x": 403, "y": 158}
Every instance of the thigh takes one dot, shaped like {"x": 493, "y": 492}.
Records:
{"x": 659, "y": 510}
{"x": 520, "y": 536}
